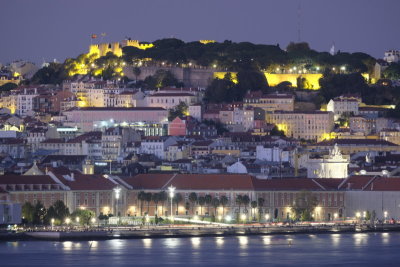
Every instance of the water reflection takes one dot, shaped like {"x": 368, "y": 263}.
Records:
{"x": 195, "y": 242}
{"x": 267, "y": 240}
{"x": 360, "y": 239}
{"x": 243, "y": 241}
{"x": 385, "y": 238}
{"x": 67, "y": 245}
{"x": 147, "y": 242}
{"x": 93, "y": 245}
{"x": 172, "y": 242}
{"x": 335, "y": 239}
{"x": 219, "y": 241}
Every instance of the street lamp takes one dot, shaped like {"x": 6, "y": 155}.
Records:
{"x": 67, "y": 221}
{"x": 171, "y": 190}
{"x": 52, "y": 223}
{"x": 77, "y": 219}
{"x": 267, "y": 217}
{"x": 117, "y": 191}
{"x": 385, "y": 214}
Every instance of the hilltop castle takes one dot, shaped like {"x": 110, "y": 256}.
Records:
{"x": 116, "y": 47}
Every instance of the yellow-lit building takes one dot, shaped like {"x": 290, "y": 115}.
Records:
{"x": 315, "y": 125}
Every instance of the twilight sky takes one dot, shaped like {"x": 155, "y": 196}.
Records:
{"x": 46, "y": 29}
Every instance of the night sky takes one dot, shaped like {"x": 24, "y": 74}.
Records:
{"x": 46, "y": 29}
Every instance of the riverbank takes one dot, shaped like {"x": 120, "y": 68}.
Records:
{"x": 190, "y": 231}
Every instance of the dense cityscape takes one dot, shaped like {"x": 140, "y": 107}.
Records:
{"x": 204, "y": 139}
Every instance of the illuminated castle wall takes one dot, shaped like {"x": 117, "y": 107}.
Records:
{"x": 276, "y": 78}
{"x": 116, "y": 47}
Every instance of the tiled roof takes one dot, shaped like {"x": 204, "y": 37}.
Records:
{"x": 344, "y": 142}
{"x": 286, "y": 184}
{"x": 87, "y": 182}
{"x": 26, "y": 179}
{"x": 170, "y": 94}
{"x": 148, "y": 181}
{"x": 118, "y": 109}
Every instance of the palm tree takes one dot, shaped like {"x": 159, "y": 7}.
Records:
{"x": 193, "y": 199}
{"x": 223, "y": 201}
{"x": 239, "y": 201}
{"x": 202, "y": 201}
{"x": 148, "y": 197}
{"x": 156, "y": 198}
{"x": 177, "y": 199}
{"x": 215, "y": 204}
{"x": 245, "y": 201}
{"x": 208, "y": 199}
{"x": 253, "y": 205}
{"x": 162, "y": 198}
{"x": 141, "y": 198}
{"x": 260, "y": 206}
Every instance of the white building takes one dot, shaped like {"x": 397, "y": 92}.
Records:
{"x": 237, "y": 167}
{"x": 170, "y": 100}
{"x": 333, "y": 166}
{"x": 196, "y": 111}
{"x": 10, "y": 213}
{"x": 342, "y": 106}
{"x": 392, "y": 56}
{"x": 156, "y": 145}
{"x": 272, "y": 154}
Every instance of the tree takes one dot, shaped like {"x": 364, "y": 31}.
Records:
{"x": 276, "y": 132}
{"x": 202, "y": 201}
{"x": 177, "y": 199}
{"x": 295, "y": 47}
{"x": 260, "y": 203}
{"x": 239, "y": 201}
{"x": 141, "y": 197}
{"x": 54, "y": 73}
{"x": 220, "y": 90}
{"x": 215, "y": 203}
{"x": 162, "y": 198}
{"x": 392, "y": 72}
{"x": 250, "y": 79}
{"x": 147, "y": 198}
{"x": 28, "y": 211}
{"x": 58, "y": 211}
{"x": 39, "y": 213}
{"x": 156, "y": 198}
{"x": 208, "y": 199}
{"x": 223, "y": 201}
{"x": 253, "y": 205}
{"x": 304, "y": 205}
{"x": 84, "y": 216}
{"x": 8, "y": 87}
{"x": 136, "y": 71}
{"x": 245, "y": 201}
{"x": 193, "y": 199}
{"x": 162, "y": 78}
{"x": 178, "y": 111}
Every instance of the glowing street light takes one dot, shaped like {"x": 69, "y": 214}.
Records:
{"x": 117, "y": 191}
{"x": 267, "y": 217}
{"x": 228, "y": 218}
{"x": 243, "y": 217}
{"x": 67, "y": 220}
{"x": 358, "y": 215}
{"x": 171, "y": 190}
{"x": 93, "y": 220}
{"x": 52, "y": 223}
{"x": 77, "y": 219}
{"x": 385, "y": 214}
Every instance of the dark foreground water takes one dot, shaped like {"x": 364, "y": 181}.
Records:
{"x": 363, "y": 249}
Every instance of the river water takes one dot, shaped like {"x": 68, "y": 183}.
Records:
{"x": 361, "y": 249}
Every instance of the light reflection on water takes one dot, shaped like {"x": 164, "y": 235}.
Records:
{"x": 365, "y": 249}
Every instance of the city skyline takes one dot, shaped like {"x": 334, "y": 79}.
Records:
{"x": 31, "y": 36}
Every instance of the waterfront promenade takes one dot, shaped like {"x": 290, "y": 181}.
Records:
{"x": 165, "y": 231}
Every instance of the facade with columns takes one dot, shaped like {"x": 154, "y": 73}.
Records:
{"x": 337, "y": 198}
